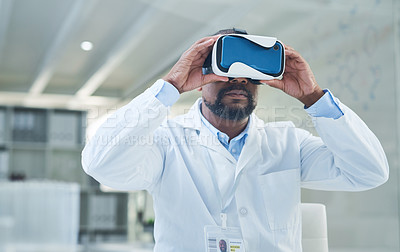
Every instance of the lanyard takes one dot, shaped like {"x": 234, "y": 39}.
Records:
{"x": 231, "y": 194}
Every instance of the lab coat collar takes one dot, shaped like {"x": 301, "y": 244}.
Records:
{"x": 192, "y": 120}
{"x": 211, "y": 141}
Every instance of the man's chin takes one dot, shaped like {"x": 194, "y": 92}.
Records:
{"x": 230, "y": 109}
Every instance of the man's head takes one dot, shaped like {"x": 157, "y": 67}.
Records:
{"x": 222, "y": 245}
{"x": 234, "y": 100}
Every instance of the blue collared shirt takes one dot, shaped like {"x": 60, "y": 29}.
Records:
{"x": 326, "y": 106}
{"x": 235, "y": 145}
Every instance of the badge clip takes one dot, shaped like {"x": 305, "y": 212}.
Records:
{"x": 224, "y": 218}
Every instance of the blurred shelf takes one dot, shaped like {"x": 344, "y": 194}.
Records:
{"x": 117, "y": 229}
{"x": 28, "y": 145}
{"x": 46, "y": 144}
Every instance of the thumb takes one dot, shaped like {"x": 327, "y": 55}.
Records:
{"x": 214, "y": 78}
{"x": 274, "y": 83}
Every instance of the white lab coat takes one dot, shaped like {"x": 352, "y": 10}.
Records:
{"x": 137, "y": 148}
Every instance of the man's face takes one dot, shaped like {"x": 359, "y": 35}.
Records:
{"x": 222, "y": 246}
{"x": 233, "y": 100}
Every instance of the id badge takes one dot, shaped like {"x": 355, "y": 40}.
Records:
{"x": 220, "y": 239}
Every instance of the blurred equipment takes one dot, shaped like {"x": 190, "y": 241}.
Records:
{"x": 39, "y": 215}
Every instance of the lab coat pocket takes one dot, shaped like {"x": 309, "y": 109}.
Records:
{"x": 281, "y": 194}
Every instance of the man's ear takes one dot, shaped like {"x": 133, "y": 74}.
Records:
{"x": 200, "y": 89}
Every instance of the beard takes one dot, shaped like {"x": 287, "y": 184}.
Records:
{"x": 233, "y": 113}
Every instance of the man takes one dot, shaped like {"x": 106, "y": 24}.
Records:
{"x": 222, "y": 245}
{"x": 220, "y": 165}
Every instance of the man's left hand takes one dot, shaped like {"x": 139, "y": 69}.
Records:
{"x": 298, "y": 80}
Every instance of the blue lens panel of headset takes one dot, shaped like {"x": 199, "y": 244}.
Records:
{"x": 263, "y": 59}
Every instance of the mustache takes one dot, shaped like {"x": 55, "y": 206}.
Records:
{"x": 232, "y": 87}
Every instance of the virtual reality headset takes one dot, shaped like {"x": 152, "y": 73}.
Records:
{"x": 246, "y": 56}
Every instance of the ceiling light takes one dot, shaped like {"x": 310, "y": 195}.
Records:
{"x": 87, "y": 45}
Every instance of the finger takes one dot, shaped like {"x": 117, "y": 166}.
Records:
{"x": 208, "y": 78}
{"x": 287, "y": 47}
{"x": 193, "y": 52}
{"x": 289, "y": 69}
{"x": 202, "y": 55}
{"x": 203, "y": 52}
{"x": 293, "y": 54}
{"x": 204, "y": 40}
{"x": 296, "y": 65}
{"x": 292, "y": 64}
{"x": 291, "y": 51}
{"x": 207, "y": 40}
{"x": 215, "y": 37}
{"x": 199, "y": 58}
{"x": 274, "y": 83}
{"x": 295, "y": 61}
{"x": 202, "y": 46}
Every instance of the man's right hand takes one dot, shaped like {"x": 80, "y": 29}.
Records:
{"x": 186, "y": 74}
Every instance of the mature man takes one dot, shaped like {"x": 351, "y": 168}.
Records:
{"x": 220, "y": 165}
{"x": 222, "y": 245}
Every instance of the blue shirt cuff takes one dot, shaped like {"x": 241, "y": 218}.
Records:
{"x": 166, "y": 93}
{"x": 327, "y": 106}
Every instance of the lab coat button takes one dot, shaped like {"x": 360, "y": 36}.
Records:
{"x": 243, "y": 211}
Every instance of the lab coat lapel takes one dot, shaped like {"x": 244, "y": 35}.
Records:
{"x": 209, "y": 140}
{"x": 193, "y": 120}
{"x": 251, "y": 148}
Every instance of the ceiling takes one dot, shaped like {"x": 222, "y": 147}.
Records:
{"x": 134, "y": 43}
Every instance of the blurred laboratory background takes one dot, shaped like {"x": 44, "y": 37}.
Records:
{"x": 67, "y": 65}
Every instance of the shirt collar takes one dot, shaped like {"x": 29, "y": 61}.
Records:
{"x": 221, "y": 135}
